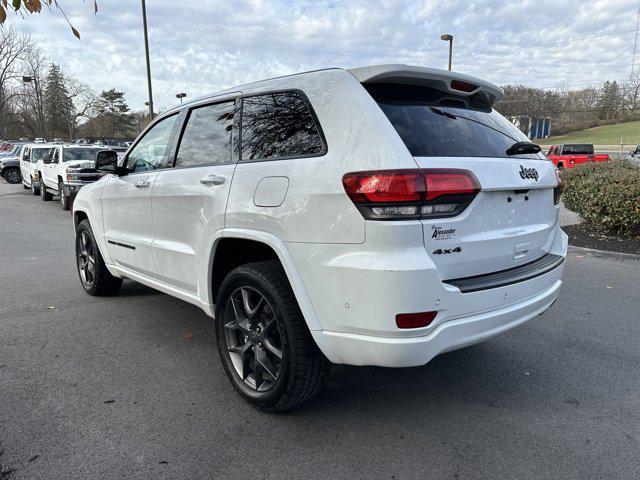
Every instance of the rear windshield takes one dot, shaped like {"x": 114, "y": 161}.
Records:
{"x": 38, "y": 154}
{"x": 80, "y": 154}
{"x": 433, "y": 124}
{"x": 577, "y": 149}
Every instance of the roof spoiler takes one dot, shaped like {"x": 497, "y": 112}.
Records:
{"x": 479, "y": 91}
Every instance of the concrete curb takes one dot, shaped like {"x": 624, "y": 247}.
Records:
{"x": 604, "y": 253}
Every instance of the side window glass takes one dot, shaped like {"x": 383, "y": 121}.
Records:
{"x": 207, "y": 137}
{"x": 279, "y": 125}
{"x": 25, "y": 155}
{"x": 56, "y": 155}
{"x": 148, "y": 154}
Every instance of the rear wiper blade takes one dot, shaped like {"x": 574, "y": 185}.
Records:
{"x": 519, "y": 148}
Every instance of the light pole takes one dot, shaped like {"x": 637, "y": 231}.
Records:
{"x": 146, "y": 54}
{"x": 30, "y": 79}
{"x": 448, "y": 38}
{"x": 181, "y": 96}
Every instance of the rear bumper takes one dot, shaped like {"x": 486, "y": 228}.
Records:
{"x": 450, "y": 335}
{"x": 357, "y": 292}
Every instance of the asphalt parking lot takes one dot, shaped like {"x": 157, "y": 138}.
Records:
{"x": 131, "y": 386}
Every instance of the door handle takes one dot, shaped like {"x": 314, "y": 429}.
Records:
{"x": 212, "y": 180}
{"x": 143, "y": 184}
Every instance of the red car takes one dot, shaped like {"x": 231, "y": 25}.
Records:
{"x": 572, "y": 154}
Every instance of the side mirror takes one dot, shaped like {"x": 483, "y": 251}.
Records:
{"x": 46, "y": 159}
{"x": 107, "y": 161}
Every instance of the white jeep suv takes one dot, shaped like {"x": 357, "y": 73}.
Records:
{"x": 374, "y": 216}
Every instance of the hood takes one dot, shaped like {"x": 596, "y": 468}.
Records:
{"x": 10, "y": 161}
{"x": 80, "y": 164}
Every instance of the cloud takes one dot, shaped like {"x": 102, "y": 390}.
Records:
{"x": 201, "y": 47}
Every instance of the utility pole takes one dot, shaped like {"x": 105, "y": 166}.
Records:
{"x": 448, "y": 38}
{"x": 146, "y": 53}
{"x": 635, "y": 43}
{"x": 39, "y": 106}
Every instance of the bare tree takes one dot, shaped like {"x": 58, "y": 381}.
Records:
{"x": 14, "y": 48}
{"x": 631, "y": 92}
{"x": 35, "y": 67}
{"x": 84, "y": 101}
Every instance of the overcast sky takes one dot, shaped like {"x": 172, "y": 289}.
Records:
{"x": 199, "y": 47}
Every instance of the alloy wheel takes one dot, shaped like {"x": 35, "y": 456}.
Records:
{"x": 253, "y": 339}
{"x": 13, "y": 176}
{"x": 86, "y": 260}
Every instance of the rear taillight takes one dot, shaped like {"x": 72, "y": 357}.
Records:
{"x": 557, "y": 192}
{"x": 408, "y": 194}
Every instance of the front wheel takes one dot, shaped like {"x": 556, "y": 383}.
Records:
{"x": 94, "y": 276}
{"x": 12, "y": 175}
{"x": 263, "y": 340}
{"x": 64, "y": 200}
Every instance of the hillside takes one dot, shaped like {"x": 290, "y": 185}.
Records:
{"x": 606, "y": 135}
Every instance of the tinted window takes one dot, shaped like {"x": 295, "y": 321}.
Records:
{"x": 434, "y": 124}
{"x": 70, "y": 154}
{"x": 577, "y": 149}
{"x": 279, "y": 125}
{"x": 207, "y": 137}
{"x": 148, "y": 154}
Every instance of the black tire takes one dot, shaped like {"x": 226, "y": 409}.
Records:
{"x": 25, "y": 187}
{"x": 46, "y": 195}
{"x": 302, "y": 367}
{"x": 560, "y": 166}
{"x": 35, "y": 187}
{"x": 100, "y": 282}
{"x": 12, "y": 175}
{"x": 64, "y": 200}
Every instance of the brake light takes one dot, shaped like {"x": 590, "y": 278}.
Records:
{"x": 406, "y": 194}
{"x": 462, "y": 86}
{"x": 415, "y": 320}
{"x": 557, "y": 192}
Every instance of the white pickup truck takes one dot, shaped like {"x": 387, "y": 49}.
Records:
{"x": 64, "y": 170}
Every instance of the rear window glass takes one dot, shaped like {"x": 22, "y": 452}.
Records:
{"x": 70, "y": 154}
{"x": 38, "y": 154}
{"x": 434, "y": 124}
{"x": 279, "y": 125}
{"x": 577, "y": 149}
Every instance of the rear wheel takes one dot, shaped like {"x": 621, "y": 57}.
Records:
{"x": 46, "y": 195}
{"x": 35, "y": 188}
{"x": 25, "y": 186}
{"x": 64, "y": 200}
{"x": 263, "y": 340}
{"x": 94, "y": 276}
{"x": 12, "y": 175}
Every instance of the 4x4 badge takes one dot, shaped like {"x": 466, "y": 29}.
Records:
{"x": 528, "y": 173}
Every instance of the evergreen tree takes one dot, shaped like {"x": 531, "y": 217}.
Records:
{"x": 58, "y": 107}
{"x": 113, "y": 106}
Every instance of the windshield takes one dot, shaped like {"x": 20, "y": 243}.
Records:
{"x": 38, "y": 153}
{"x": 71, "y": 154}
{"x": 435, "y": 124}
{"x": 577, "y": 149}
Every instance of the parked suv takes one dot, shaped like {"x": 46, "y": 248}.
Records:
{"x": 65, "y": 169}
{"x": 29, "y": 157}
{"x": 10, "y": 163}
{"x": 374, "y": 216}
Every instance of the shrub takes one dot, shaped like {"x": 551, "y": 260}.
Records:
{"x": 606, "y": 195}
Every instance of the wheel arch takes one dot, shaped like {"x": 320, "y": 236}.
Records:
{"x": 265, "y": 246}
